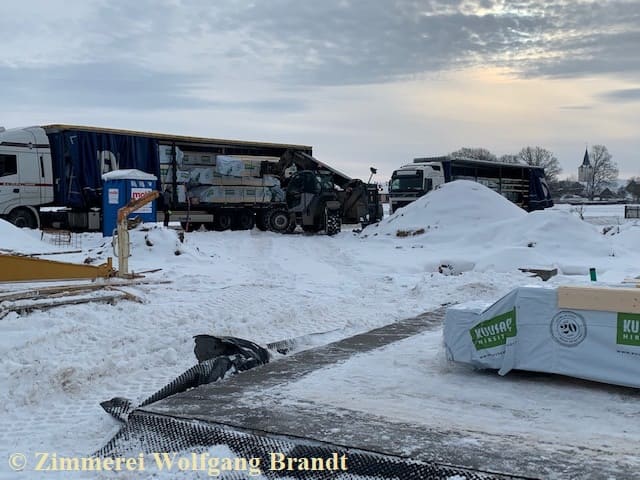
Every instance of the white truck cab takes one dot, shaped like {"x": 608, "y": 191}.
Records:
{"x": 412, "y": 181}
{"x": 26, "y": 177}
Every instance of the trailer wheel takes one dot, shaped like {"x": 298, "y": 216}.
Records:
{"x": 244, "y": 220}
{"x": 261, "y": 221}
{"x": 333, "y": 222}
{"x": 222, "y": 221}
{"x": 278, "y": 220}
{"x": 23, "y": 218}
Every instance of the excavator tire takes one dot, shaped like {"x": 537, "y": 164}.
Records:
{"x": 334, "y": 222}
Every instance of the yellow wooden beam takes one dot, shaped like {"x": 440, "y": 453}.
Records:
{"x": 600, "y": 299}
{"x": 15, "y": 268}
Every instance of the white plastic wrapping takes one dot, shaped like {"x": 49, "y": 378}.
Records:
{"x": 526, "y": 330}
{"x": 229, "y": 166}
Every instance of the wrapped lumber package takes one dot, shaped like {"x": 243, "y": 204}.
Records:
{"x": 589, "y": 333}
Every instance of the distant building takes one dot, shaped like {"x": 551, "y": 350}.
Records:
{"x": 607, "y": 194}
{"x": 585, "y": 171}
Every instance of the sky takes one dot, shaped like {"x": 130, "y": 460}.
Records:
{"x": 365, "y": 82}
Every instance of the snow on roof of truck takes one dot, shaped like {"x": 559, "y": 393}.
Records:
{"x": 170, "y": 138}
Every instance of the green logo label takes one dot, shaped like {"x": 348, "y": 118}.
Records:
{"x": 629, "y": 329}
{"x": 495, "y": 331}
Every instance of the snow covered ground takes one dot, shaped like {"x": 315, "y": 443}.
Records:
{"x": 459, "y": 243}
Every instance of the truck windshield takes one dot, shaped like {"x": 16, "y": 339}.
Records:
{"x": 403, "y": 183}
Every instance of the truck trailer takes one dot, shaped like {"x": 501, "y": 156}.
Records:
{"x": 52, "y": 174}
{"x": 524, "y": 185}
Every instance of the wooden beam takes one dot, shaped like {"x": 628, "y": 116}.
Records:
{"x": 14, "y": 268}
{"x": 29, "y": 307}
{"x": 600, "y": 299}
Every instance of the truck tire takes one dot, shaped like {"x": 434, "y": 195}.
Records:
{"x": 222, "y": 221}
{"x": 278, "y": 220}
{"x": 261, "y": 221}
{"x": 244, "y": 220}
{"x": 333, "y": 222}
{"x": 23, "y": 218}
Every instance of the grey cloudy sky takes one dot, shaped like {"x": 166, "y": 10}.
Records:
{"x": 364, "y": 82}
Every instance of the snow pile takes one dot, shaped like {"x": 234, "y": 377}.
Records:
{"x": 14, "y": 239}
{"x": 162, "y": 242}
{"x": 475, "y": 228}
{"x": 541, "y": 238}
{"x": 460, "y": 205}
{"x": 626, "y": 236}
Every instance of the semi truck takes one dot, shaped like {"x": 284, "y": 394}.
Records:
{"x": 52, "y": 175}
{"x": 524, "y": 185}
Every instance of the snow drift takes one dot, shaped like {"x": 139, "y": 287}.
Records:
{"x": 484, "y": 231}
{"x": 17, "y": 240}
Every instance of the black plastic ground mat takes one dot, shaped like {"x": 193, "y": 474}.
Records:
{"x": 154, "y": 433}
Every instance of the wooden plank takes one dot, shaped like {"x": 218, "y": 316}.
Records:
{"x": 76, "y": 288}
{"x": 600, "y": 299}
{"x": 28, "y": 307}
{"x": 15, "y": 268}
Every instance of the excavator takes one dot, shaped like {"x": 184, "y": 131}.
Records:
{"x": 318, "y": 197}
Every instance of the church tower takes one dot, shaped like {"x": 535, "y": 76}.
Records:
{"x": 585, "y": 171}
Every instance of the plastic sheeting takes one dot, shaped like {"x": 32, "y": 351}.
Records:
{"x": 526, "y": 330}
{"x": 229, "y": 166}
{"x": 539, "y": 192}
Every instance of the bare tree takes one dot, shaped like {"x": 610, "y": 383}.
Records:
{"x": 509, "y": 158}
{"x": 541, "y": 157}
{"x": 567, "y": 187}
{"x": 604, "y": 170}
{"x": 475, "y": 153}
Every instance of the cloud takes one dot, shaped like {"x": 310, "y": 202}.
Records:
{"x": 123, "y": 85}
{"x": 622, "y": 95}
{"x": 575, "y": 107}
{"x": 359, "y": 42}
{"x": 181, "y": 52}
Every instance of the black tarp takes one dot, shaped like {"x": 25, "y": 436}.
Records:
{"x": 539, "y": 193}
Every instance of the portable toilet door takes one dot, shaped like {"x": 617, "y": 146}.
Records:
{"x": 119, "y": 188}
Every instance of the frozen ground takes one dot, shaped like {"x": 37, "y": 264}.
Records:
{"x": 57, "y": 365}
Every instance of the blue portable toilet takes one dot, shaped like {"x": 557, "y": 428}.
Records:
{"x": 119, "y": 187}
